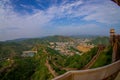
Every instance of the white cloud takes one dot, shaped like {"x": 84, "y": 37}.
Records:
{"x": 27, "y": 6}
{"x": 14, "y": 25}
{"x": 105, "y": 13}
{"x": 26, "y": 26}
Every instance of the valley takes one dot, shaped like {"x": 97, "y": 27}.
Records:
{"x": 55, "y": 55}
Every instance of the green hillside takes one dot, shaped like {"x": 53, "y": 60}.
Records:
{"x": 57, "y": 38}
{"x": 35, "y": 67}
{"x": 100, "y": 40}
{"x": 105, "y": 58}
{"x": 19, "y": 45}
{"x": 47, "y": 63}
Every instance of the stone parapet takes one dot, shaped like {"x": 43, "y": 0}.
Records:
{"x": 100, "y": 73}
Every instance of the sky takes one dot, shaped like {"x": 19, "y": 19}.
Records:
{"x": 38, "y": 18}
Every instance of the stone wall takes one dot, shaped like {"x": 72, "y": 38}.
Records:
{"x": 91, "y": 74}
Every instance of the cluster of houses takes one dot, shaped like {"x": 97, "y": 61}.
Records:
{"x": 65, "y": 47}
{"x": 28, "y": 53}
{"x": 62, "y": 47}
{"x": 79, "y": 46}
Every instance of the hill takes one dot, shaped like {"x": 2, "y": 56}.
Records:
{"x": 43, "y": 64}
{"x": 17, "y": 46}
{"x": 100, "y": 40}
{"x": 57, "y": 38}
{"x": 48, "y": 62}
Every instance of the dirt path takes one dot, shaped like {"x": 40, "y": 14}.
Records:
{"x": 64, "y": 68}
{"x": 50, "y": 69}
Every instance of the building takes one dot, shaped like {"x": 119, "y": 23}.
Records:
{"x": 28, "y": 53}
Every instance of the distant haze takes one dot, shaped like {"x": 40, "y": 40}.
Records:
{"x": 38, "y": 18}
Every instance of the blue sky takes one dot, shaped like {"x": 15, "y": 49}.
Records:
{"x": 38, "y": 18}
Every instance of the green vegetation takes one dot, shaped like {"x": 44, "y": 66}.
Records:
{"x": 4, "y": 63}
{"x": 104, "y": 58}
{"x": 75, "y": 61}
{"x": 15, "y": 47}
{"x": 28, "y": 68}
{"x": 21, "y": 70}
{"x": 100, "y": 40}
{"x": 78, "y": 61}
{"x": 35, "y": 68}
{"x": 57, "y": 38}
{"x": 41, "y": 72}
